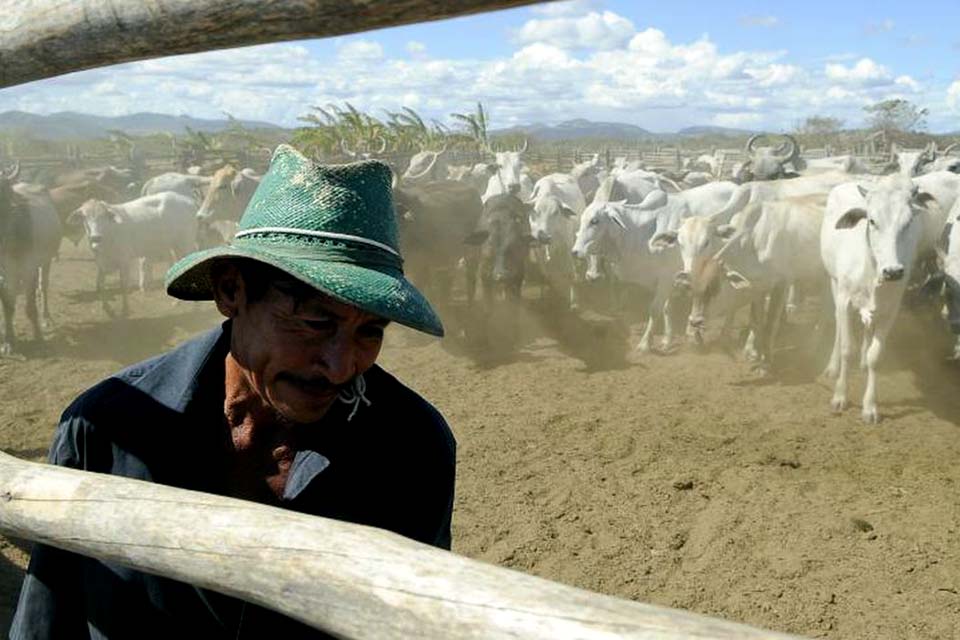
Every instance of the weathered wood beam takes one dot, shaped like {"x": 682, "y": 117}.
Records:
{"x": 353, "y": 581}
{"x": 44, "y": 38}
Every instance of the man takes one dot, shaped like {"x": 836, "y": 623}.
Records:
{"x": 283, "y": 405}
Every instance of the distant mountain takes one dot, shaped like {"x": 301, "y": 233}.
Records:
{"x": 71, "y": 125}
{"x": 713, "y": 131}
{"x": 577, "y": 129}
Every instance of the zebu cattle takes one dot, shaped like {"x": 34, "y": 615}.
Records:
{"x": 122, "y": 181}
{"x": 557, "y": 205}
{"x": 224, "y": 202}
{"x": 509, "y": 175}
{"x": 363, "y": 155}
{"x": 710, "y": 164}
{"x": 186, "y": 185}
{"x": 425, "y": 166}
{"x": 504, "y": 239}
{"x": 476, "y": 176}
{"x": 847, "y": 164}
{"x": 769, "y": 163}
{"x": 950, "y": 263}
{"x": 587, "y": 175}
{"x": 776, "y": 247}
{"x": 67, "y": 198}
{"x": 435, "y": 221}
{"x": 870, "y": 237}
{"x": 29, "y": 239}
{"x": 622, "y": 232}
{"x": 159, "y": 226}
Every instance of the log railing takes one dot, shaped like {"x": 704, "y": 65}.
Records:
{"x": 349, "y": 580}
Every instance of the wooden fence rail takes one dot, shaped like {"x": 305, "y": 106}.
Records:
{"x": 353, "y": 581}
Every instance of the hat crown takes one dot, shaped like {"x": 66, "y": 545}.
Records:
{"x": 296, "y": 193}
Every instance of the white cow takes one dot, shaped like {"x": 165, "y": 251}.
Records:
{"x": 185, "y": 184}
{"x": 777, "y": 246}
{"x": 159, "y": 226}
{"x": 508, "y": 175}
{"x": 621, "y": 233}
{"x": 869, "y": 240}
{"x": 557, "y": 205}
{"x": 950, "y": 262}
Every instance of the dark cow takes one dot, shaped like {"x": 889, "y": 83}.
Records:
{"x": 434, "y": 220}
{"x": 504, "y": 238}
{"x": 29, "y": 237}
{"x": 122, "y": 181}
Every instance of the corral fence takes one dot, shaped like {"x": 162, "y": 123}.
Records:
{"x": 353, "y": 581}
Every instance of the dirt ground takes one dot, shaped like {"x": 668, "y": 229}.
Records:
{"x": 680, "y": 479}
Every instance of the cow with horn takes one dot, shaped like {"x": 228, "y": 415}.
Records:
{"x": 768, "y": 162}
{"x": 426, "y": 166}
{"x": 363, "y": 155}
{"x": 508, "y": 174}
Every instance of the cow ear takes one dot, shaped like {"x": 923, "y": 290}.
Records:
{"x": 851, "y": 218}
{"x": 616, "y": 217}
{"x": 924, "y": 199}
{"x": 476, "y": 238}
{"x": 736, "y": 279}
{"x": 726, "y": 231}
{"x": 664, "y": 239}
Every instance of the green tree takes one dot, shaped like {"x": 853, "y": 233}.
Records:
{"x": 896, "y": 116}
{"x": 820, "y": 125}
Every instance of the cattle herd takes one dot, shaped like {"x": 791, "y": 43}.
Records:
{"x": 762, "y": 234}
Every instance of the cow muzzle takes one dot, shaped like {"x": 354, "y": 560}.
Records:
{"x": 892, "y": 274}
{"x": 513, "y": 189}
{"x": 682, "y": 280}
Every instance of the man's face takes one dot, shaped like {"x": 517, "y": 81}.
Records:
{"x": 297, "y": 347}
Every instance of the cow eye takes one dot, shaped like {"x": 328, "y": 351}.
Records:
{"x": 873, "y": 223}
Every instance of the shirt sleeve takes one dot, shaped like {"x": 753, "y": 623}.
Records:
{"x": 51, "y": 598}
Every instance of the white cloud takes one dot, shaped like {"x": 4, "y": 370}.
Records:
{"x": 577, "y": 61}
{"x": 743, "y": 119}
{"x": 567, "y": 8}
{"x": 908, "y": 83}
{"x": 416, "y": 48}
{"x": 767, "y": 22}
{"x": 594, "y": 30}
{"x": 883, "y": 26}
{"x": 360, "y": 50}
{"x": 864, "y": 72}
{"x": 953, "y": 96}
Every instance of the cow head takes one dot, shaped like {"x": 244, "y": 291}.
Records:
{"x": 602, "y": 230}
{"x": 769, "y": 162}
{"x": 550, "y": 219}
{"x": 228, "y": 194}
{"x": 424, "y": 166}
{"x": 505, "y": 239}
{"x": 507, "y": 169}
{"x": 97, "y": 218}
{"x": 889, "y": 212}
{"x": 363, "y": 155}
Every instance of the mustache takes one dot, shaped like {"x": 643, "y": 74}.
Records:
{"x": 316, "y": 384}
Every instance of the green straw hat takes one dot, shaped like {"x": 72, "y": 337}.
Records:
{"x": 331, "y": 226}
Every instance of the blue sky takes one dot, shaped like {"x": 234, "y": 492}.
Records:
{"x": 659, "y": 65}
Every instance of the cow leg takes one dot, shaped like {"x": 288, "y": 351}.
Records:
{"x": 124, "y": 309}
{"x": 101, "y": 291}
{"x": 30, "y": 294}
{"x": 45, "y": 294}
{"x": 871, "y": 413}
{"x": 792, "y": 299}
{"x": 750, "y": 352}
{"x": 471, "y": 262}
{"x": 845, "y": 351}
{"x": 771, "y": 327}
{"x": 8, "y": 302}
{"x": 833, "y": 364}
{"x": 956, "y": 350}
{"x": 142, "y": 266}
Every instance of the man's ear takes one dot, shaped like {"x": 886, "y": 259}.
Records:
{"x": 229, "y": 292}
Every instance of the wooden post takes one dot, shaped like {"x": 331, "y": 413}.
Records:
{"x": 350, "y": 580}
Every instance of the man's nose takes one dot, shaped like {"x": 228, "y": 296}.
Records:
{"x": 338, "y": 357}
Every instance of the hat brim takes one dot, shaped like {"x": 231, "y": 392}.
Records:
{"x": 381, "y": 294}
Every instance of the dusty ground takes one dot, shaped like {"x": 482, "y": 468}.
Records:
{"x": 677, "y": 479}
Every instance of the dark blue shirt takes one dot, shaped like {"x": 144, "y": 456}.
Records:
{"x": 390, "y": 466}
